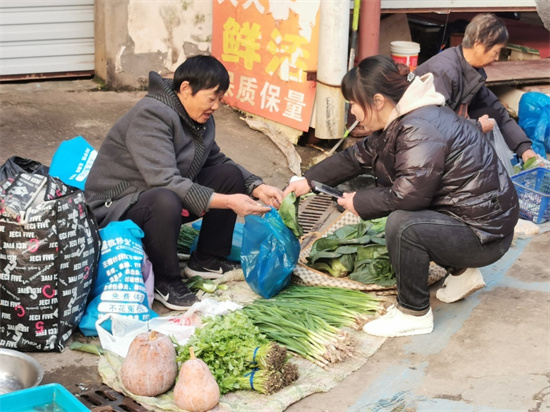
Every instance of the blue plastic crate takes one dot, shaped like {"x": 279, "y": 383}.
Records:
{"x": 51, "y": 397}
{"x": 533, "y": 187}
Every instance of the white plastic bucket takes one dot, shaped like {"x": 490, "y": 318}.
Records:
{"x": 405, "y": 52}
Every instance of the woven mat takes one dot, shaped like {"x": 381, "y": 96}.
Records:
{"x": 304, "y": 275}
{"x": 312, "y": 379}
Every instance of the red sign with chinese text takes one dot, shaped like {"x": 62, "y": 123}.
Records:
{"x": 268, "y": 48}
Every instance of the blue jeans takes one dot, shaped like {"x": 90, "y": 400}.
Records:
{"x": 414, "y": 238}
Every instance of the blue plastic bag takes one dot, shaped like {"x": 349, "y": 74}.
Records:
{"x": 236, "y": 244}
{"x": 269, "y": 253}
{"x": 72, "y": 161}
{"x": 534, "y": 119}
{"x": 119, "y": 287}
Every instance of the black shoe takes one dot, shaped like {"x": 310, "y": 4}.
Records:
{"x": 174, "y": 295}
{"x": 215, "y": 268}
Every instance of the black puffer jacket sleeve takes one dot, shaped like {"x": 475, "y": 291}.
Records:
{"x": 419, "y": 162}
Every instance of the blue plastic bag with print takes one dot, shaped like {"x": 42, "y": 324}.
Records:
{"x": 72, "y": 161}
{"x": 269, "y": 253}
{"x": 119, "y": 287}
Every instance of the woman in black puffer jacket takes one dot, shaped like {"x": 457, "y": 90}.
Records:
{"x": 447, "y": 196}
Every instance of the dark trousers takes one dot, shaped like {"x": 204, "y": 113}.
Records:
{"x": 158, "y": 212}
{"x": 414, "y": 238}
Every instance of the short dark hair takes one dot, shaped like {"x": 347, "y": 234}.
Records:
{"x": 202, "y": 72}
{"x": 375, "y": 74}
{"x": 486, "y": 29}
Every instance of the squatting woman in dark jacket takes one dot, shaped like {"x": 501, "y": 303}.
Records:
{"x": 447, "y": 196}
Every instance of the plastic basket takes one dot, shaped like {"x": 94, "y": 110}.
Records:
{"x": 51, "y": 397}
{"x": 533, "y": 187}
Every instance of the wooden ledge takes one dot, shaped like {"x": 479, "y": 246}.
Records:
{"x": 518, "y": 72}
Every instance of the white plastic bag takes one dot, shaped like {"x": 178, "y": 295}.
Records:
{"x": 503, "y": 151}
{"x": 181, "y": 327}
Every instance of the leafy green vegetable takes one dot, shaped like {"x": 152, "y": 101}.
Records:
{"x": 529, "y": 164}
{"x": 186, "y": 237}
{"x": 358, "y": 250}
{"x": 87, "y": 347}
{"x": 197, "y": 283}
{"x": 230, "y": 345}
{"x": 289, "y": 214}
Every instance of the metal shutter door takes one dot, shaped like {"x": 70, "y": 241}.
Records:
{"x": 47, "y": 36}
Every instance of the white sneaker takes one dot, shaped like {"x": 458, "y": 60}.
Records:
{"x": 458, "y": 287}
{"x": 396, "y": 323}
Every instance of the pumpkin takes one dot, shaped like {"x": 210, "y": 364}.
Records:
{"x": 150, "y": 367}
{"x": 196, "y": 389}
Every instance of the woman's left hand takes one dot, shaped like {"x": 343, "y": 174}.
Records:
{"x": 347, "y": 202}
{"x": 270, "y": 195}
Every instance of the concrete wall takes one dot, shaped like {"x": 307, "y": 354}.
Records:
{"x": 133, "y": 37}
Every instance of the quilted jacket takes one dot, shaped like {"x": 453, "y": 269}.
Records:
{"x": 427, "y": 157}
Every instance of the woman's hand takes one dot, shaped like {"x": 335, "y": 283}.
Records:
{"x": 299, "y": 187}
{"x": 528, "y": 154}
{"x": 241, "y": 204}
{"x": 347, "y": 202}
{"x": 486, "y": 123}
{"x": 270, "y": 195}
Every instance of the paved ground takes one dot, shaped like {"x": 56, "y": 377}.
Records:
{"x": 490, "y": 352}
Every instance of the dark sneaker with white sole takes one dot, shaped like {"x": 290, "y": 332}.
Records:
{"x": 174, "y": 295}
{"x": 214, "y": 268}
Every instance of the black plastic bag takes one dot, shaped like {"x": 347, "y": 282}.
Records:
{"x": 49, "y": 252}
{"x": 15, "y": 165}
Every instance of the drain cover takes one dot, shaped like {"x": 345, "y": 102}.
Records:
{"x": 105, "y": 399}
{"x": 314, "y": 211}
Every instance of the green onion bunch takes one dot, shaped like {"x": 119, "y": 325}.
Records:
{"x": 186, "y": 238}
{"x": 308, "y": 320}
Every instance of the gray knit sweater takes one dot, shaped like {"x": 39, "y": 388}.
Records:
{"x": 153, "y": 145}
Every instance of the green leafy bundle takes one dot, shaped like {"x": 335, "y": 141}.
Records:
{"x": 186, "y": 237}
{"x": 232, "y": 347}
{"x": 307, "y": 320}
{"x": 358, "y": 251}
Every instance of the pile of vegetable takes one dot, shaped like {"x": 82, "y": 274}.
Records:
{"x": 308, "y": 320}
{"x": 198, "y": 283}
{"x": 239, "y": 356}
{"x": 358, "y": 251}
{"x": 185, "y": 238}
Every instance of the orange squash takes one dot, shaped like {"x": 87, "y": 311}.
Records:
{"x": 150, "y": 367}
{"x": 196, "y": 389}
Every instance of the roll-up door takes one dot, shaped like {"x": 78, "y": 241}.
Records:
{"x": 46, "y": 38}
{"x": 457, "y": 4}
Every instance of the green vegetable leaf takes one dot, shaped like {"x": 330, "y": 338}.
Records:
{"x": 358, "y": 250}
{"x": 289, "y": 214}
{"x": 530, "y": 163}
